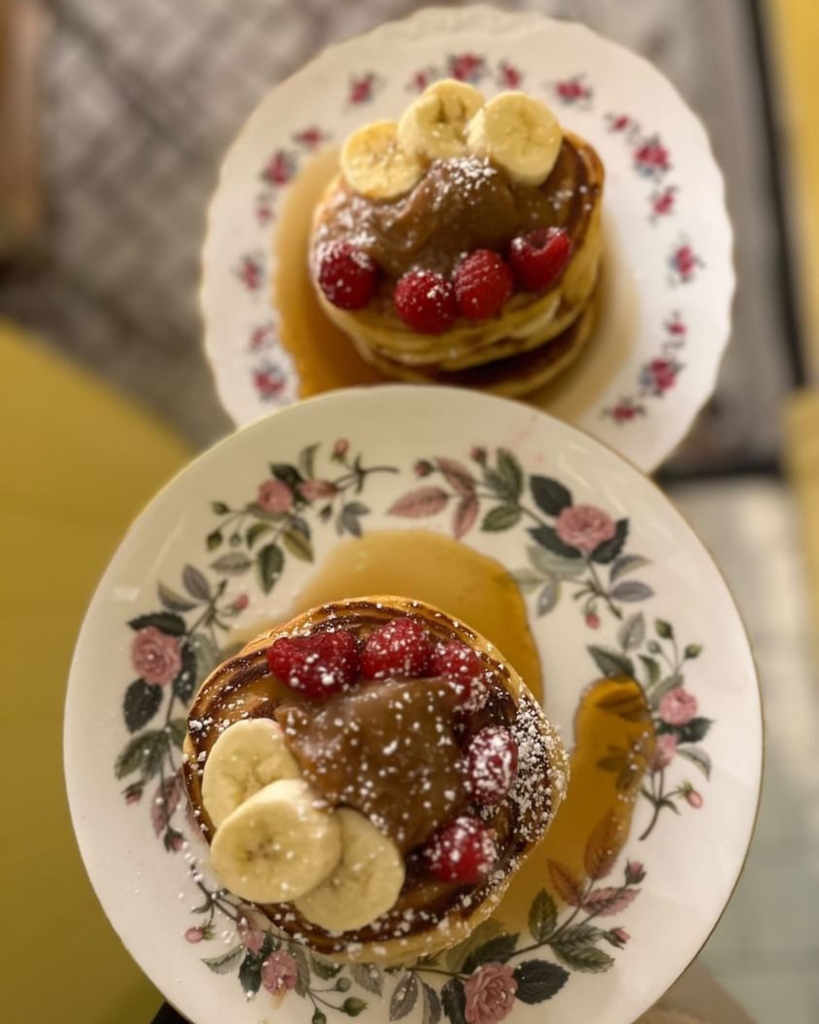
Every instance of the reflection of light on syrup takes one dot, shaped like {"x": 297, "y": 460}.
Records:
{"x": 326, "y": 359}
{"x": 611, "y": 721}
{"x": 612, "y": 724}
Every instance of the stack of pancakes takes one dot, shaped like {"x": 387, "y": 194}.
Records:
{"x": 536, "y": 335}
{"x": 430, "y": 915}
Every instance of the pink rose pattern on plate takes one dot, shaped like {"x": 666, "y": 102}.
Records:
{"x": 490, "y": 994}
{"x": 571, "y": 546}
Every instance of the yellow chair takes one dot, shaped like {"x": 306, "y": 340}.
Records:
{"x": 77, "y": 464}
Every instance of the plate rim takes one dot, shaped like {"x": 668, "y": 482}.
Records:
{"x": 85, "y": 835}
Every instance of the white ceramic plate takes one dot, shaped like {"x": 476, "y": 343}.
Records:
{"x": 615, "y": 582}
{"x": 669, "y": 281}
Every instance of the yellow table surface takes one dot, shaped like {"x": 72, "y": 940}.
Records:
{"x": 77, "y": 463}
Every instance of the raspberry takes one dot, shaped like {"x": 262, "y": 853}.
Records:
{"x": 346, "y": 275}
{"x": 462, "y": 852}
{"x": 539, "y": 258}
{"x": 400, "y": 649}
{"x": 461, "y": 665}
{"x": 483, "y": 283}
{"x": 492, "y": 765}
{"x": 425, "y": 301}
{"x": 316, "y": 666}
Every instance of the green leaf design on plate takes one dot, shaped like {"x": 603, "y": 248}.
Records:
{"x": 453, "y": 1000}
{"x": 456, "y": 957}
{"x": 141, "y": 703}
{"x": 270, "y": 563}
{"x": 632, "y": 632}
{"x": 664, "y": 629}
{"x": 302, "y": 968}
{"x": 652, "y": 667}
{"x": 549, "y": 564}
{"x": 404, "y": 997}
{"x": 624, "y": 564}
{"x": 539, "y": 980}
{"x": 510, "y": 473}
{"x": 184, "y": 686}
{"x": 611, "y": 663}
{"x": 254, "y": 531}
{"x": 548, "y": 596}
{"x": 610, "y": 549}
{"x": 225, "y": 963}
{"x": 318, "y": 1017}
{"x": 324, "y": 969}
{"x": 631, "y": 590}
{"x": 693, "y": 651}
{"x": 691, "y": 732}
{"x": 502, "y": 517}
{"x": 206, "y": 653}
{"x": 172, "y": 601}
{"x": 195, "y": 583}
{"x": 527, "y": 580}
{"x": 348, "y": 519}
{"x": 542, "y": 916}
{"x": 177, "y": 729}
{"x": 369, "y": 977}
{"x": 234, "y": 563}
{"x": 165, "y": 622}
{"x": 432, "y": 1005}
{"x": 547, "y": 537}
{"x": 250, "y": 973}
{"x": 696, "y": 755}
{"x": 213, "y": 540}
{"x": 550, "y": 496}
{"x": 575, "y": 948}
{"x": 140, "y": 752}
{"x": 307, "y": 460}
{"x": 298, "y": 544}
{"x": 497, "y": 950}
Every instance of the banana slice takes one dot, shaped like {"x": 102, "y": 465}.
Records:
{"x": 518, "y": 133}
{"x": 366, "y": 883}
{"x": 277, "y": 845}
{"x": 375, "y": 165}
{"x": 434, "y": 126}
{"x": 248, "y": 756}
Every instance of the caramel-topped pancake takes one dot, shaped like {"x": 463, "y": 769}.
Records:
{"x": 482, "y": 253}
{"x": 455, "y": 750}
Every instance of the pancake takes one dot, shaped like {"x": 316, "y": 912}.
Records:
{"x": 570, "y": 198}
{"x": 514, "y": 376}
{"x": 429, "y": 915}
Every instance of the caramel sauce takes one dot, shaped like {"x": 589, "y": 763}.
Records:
{"x": 429, "y": 567}
{"x": 325, "y": 358}
{"x": 612, "y": 714}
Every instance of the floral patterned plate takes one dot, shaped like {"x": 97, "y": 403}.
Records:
{"x": 669, "y": 280}
{"x": 616, "y": 588}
